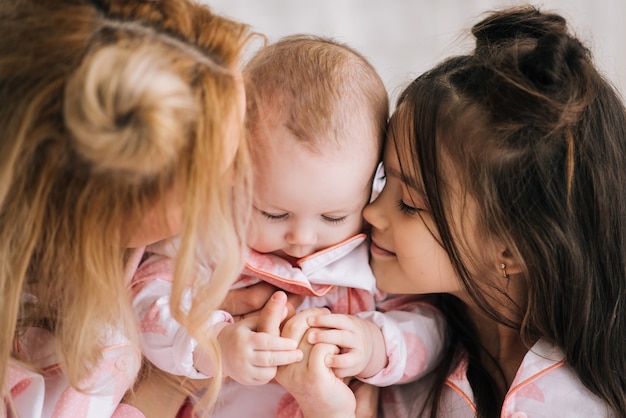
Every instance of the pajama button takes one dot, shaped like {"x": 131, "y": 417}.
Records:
{"x": 519, "y": 415}
{"x": 121, "y": 364}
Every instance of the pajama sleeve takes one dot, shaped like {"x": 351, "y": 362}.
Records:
{"x": 414, "y": 334}
{"x": 164, "y": 341}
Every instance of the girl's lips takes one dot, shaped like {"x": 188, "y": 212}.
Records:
{"x": 376, "y": 250}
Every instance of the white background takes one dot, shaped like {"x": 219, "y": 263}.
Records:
{"x": 403, "y": 38}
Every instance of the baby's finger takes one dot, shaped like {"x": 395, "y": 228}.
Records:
{"x": 275, "y": 358}
{"x": 273, "y": 314}
{"x": 318, "y": 358}
{"x": 336, "y": 337}
{"x": 262, "y": 341}
{"x": 344, "y": 365}
{"x": 296, "y": 326}
{"x": 339, "y": 321}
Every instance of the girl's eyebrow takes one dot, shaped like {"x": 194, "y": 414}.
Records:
{"x": 409, "y": 181}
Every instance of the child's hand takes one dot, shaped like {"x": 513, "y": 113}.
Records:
{"x": 362, "y": 347}
{"x": 252, "y": 348}
{"x": 316, "y": 388}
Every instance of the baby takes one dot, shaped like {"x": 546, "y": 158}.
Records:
{"x": 317, "y": 116}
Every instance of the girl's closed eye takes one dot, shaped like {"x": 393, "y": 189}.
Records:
{"x": 406, "y": 209}
{"x": 415, "y": 203}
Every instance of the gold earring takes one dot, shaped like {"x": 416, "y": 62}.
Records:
{"x": 504, "y": 273}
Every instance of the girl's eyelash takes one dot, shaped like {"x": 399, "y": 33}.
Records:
{"x": 334, "y": 220}
{"x": 406, "y": 209}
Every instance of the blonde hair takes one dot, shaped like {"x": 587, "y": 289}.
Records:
{"x": 104, "y": 108}
{"x": 314, "y": 85}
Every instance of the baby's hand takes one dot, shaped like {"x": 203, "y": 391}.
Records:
{"x": 316, "y": 388}
{"x": 252, "y": 348}
{"x": 362, "y": 347}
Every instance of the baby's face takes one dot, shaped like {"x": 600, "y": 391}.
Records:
{"x": 305, "y": 201}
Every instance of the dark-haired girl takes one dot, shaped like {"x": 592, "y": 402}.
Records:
{"x": 506, "y": 195}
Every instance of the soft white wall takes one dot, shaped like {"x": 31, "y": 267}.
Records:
{"x": 403, "y": 38}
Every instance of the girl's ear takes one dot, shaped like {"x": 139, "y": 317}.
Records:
{"x": 508, "y": 263}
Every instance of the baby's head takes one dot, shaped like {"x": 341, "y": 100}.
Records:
{"x": 317, "y": 115}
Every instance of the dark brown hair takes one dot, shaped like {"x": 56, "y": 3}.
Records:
{"x": 538, "y": 140}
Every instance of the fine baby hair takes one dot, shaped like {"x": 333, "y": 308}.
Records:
{"x": 314, "y": 84}
{"x": 536, "y": 139}
{"x": 110, "y": 108}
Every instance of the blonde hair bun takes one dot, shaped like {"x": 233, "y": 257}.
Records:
{"x": 127, "y": 112}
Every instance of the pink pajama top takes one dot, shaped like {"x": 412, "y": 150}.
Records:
{"x": 545, "y": 386}
{"x": 41, "y": 389}
{"x": 338, "y": 278}
{"x": 46, "y": 392}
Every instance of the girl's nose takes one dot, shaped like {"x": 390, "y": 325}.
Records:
{"x": 374, "y": 214}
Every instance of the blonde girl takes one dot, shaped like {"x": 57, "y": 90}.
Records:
{"x": 120, "y": 125}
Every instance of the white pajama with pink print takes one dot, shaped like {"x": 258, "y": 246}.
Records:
{"x": 338, "y": 278}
